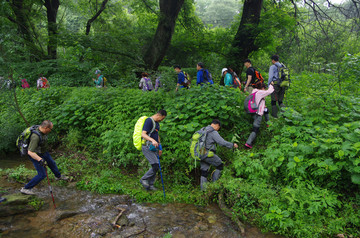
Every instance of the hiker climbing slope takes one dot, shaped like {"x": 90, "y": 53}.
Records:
{"x": 259, "y": 93}
{"x": 213, "y": 138}
{"x": 274, "y": 79}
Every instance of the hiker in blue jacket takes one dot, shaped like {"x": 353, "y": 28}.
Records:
{"x": 203, "y": 76}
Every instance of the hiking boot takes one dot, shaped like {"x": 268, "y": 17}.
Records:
{"x": 62, "y": 177}
{"x": 152, "y": 188}
{"x": 27, "y": 191}
{"x": 248, "y": 146}
{"x": 145, "y": 184}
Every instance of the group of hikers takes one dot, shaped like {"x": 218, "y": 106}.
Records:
{"x": 33, "y": 141}
{"x": 208, "y": 137}
{"x": 41, "y": 82}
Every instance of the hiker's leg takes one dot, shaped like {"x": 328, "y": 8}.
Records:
{"x": 203, "y": 179}
{"x": 204, "y": 168}
{"x": 51, "y": 164}
{"x": 255, "y": 130}
{"x": 151, "y": 156}
{"x": 40, "y": 176}
{"x": 155, "y": 169}
{"x": 274, "y": 109}
{"x": 281, "y": 97}
{"x": 219, "y": 165}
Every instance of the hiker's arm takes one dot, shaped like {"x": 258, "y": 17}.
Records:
{"x": 248, "y": 82}
{"x": 146, "y": 137}
{"x": 34, "y": 155}
{"x": 263, "y": 93}
{"x": 220, "y": 141}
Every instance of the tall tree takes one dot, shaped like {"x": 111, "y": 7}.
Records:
{"x": 52, "y": 7}
{"x": 20, "y": 17}
{"x": 169, "y": 10}
{"x": 244, "y": 41}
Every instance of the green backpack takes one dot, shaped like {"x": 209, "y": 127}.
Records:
{"x": 197, "y": 146}
{"x": 284, "y": 76}
{"x": 23, "y": 140}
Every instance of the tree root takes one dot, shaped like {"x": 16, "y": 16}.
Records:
{"x": 228, "y": 212}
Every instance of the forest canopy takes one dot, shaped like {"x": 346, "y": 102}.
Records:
{"x": 67, "y": 40}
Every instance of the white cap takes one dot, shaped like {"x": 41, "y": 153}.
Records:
{"x": 223, "y": 70}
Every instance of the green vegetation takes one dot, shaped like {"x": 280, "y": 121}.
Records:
{"x": 302, "y": 177}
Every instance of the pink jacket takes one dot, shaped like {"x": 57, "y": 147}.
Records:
{"x": 261, "y": 94}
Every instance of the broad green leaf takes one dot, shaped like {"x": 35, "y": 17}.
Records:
{"x": 355, "y": 178}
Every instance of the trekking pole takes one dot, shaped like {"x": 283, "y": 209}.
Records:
{"x": 162, "y": 181}
{"x": 50, "y": 187}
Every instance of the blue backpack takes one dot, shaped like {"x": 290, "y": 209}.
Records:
{"x": 207, "y": 77}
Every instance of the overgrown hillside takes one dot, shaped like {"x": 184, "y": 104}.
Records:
{"x": 300, "y": 180}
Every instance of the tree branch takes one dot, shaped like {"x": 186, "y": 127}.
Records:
{"x": 102, "y": 8}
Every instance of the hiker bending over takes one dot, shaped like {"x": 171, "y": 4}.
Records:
{"x": 274, "y": 79}
{"x": 37, "y": 152}
{"x": 145, "y": 82}
{"x": 152, "y": 148}
{"x": 213, "y": 137}
{"x": 260, "y": 95}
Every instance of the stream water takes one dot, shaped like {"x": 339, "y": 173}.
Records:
{"x": 86, "y": 214}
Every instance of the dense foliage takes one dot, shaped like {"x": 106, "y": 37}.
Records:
{"x": 301, "y": 179}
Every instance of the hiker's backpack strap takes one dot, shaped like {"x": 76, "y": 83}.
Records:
{"x": 154, "y": 126}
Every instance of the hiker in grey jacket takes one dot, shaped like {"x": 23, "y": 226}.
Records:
{"x": 212, "y": 139}
{"x": 279, "y": 92}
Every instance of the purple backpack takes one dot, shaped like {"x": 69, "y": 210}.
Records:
{"x": 147, "y": 86}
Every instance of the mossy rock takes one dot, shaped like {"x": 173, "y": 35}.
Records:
{"x": 18, "y": 203}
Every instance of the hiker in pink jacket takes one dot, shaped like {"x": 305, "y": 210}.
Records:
{"x": 260, "y": 95}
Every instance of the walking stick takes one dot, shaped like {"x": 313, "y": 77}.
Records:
{"x": 50, "y": 187}
{"x": 162, "y": 181}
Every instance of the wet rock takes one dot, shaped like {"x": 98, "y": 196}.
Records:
{"x": 123, "y": 199}
{"x": 18, "y": 203}
{"x": 103, "y": 229}
{"x": 212, "y": 219}
{"x": 60, "y": 215}
{"x": 202, "y": 226}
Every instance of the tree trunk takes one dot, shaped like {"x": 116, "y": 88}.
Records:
{"x": 24, "y": 26}
{"x": 244, "y": 41}
{"x": 52, "y": 7}
{"x": 169, "y": 10}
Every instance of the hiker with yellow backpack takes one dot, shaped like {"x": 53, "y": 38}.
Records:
{"x": 100, "y": 81}
{"x": 146, "y": 138}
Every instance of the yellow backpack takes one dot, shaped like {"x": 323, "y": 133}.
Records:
{"x": 137, "y": 139}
